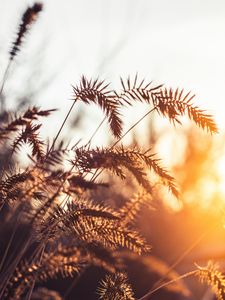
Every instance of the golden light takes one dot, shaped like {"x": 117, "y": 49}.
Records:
{"x": 220, "y": 166}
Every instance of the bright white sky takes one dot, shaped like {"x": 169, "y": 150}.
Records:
{"x": 176, "y": 42}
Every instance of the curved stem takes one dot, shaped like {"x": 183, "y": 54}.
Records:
{"x": 168, "y": 283}
{"x": 184, "y": 254}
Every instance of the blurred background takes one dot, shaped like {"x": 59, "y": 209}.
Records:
{"x": 178, "y": 43}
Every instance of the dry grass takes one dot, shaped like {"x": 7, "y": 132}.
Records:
{"x": 67, "y": 231}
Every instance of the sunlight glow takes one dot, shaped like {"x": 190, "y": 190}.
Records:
{"x": 221, "y": 174}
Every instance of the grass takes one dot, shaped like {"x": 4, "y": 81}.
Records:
{"x": 57, "y": 226}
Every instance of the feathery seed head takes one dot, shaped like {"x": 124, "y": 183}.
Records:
{"x": 28, "y": 18}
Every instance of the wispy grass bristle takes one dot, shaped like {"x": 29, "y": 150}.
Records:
{"x": 214, "y": 278}
{"x": 62, "y": 217}
{"x": 29, "y": 17}
{"x": 115, "y": 287}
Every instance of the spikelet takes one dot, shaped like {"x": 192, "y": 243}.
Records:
{"x": 28, "y": 18}
{"x": 30, "y": 136}
{"x": 95, "y": 91}
{"x": 115, "y": 287}
{"x": 173, "y": 104}
{"x": 65, "y": 262}
{"x": 213, "y": 277}
{"x": 92, "y": 224}
{"x": 130, "y": 211}
{"x": 12, "y": 187}
{"x": 169, "y": 103}
{"x": 135, "y": 90}
{"x": 12, "y": 126}
{"x": 133, "y": 160}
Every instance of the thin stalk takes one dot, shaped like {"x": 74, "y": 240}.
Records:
{"x": 94, "y": 133}
{"x": 168, "y": 283}
{"x": 44, "y": 242}
{"x": 33, "y": 283}
{"x": 134, "y": 125}
{"x": 98, "y": 172}
{"x": 30, "y": 291}
{"x": 88, "y": 144}
{"x": 9, "y": 244}
{"x": 184, "y": 254}
{"x": 15, "y": 252}
{"x": 61, "y": 128}
{"x": 6, "y": 275}
{"x": 5, "y": 76}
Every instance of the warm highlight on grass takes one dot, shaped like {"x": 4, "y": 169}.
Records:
{"x": 53, "y": 210}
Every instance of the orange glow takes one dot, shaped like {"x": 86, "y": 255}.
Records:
{"x": 221, "y": 173}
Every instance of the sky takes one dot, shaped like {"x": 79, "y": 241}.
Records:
{"x": 178, "y": 43}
